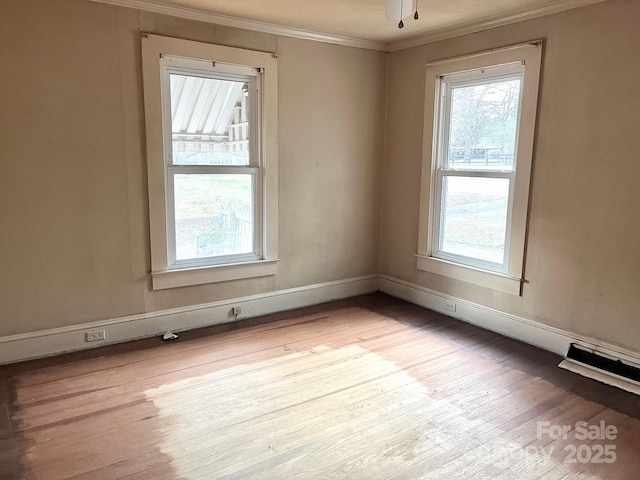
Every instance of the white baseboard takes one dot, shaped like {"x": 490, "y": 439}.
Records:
{"x": 534, "y": 333}
{"x": 44, "y": 343}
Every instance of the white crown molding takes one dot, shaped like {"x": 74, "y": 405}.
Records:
{"x": 435, "y": 36}
{"x": 489, "y": 23}
{"x": 228, "y": 21}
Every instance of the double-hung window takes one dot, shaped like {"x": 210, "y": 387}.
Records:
{"x": 213, "y": 199}
{"x": 479, "y": 130}
{"x": 211, "y": 161}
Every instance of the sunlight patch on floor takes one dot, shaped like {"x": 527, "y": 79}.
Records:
{"x": 345, "y": 411}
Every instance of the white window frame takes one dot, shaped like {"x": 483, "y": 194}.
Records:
{"x": 501, "y": 63}
{"x": 160, "y": 57}
{"x": 200, "y": 68}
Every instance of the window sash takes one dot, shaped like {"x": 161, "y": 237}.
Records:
{"x": 171, "y": 65}
{"x": 257, "y": 250}
{"x": 483, "y": 76}
{"x": 445, "y": 85}
{"x": 437, "y": 230}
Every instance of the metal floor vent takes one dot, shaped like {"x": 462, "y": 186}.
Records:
{"x": 603, "y": 368}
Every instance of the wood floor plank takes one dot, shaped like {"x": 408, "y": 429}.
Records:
{"x": 127, "y": 366}
{"x": 364, "y": 388}
{"x": 237, "y": 337}
{"x": 87, "y": 396}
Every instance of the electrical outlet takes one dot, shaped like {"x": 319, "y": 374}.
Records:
{"x": 451, "y": 306}
{"x": 95, "y": 336}
{"x": 236, "y": 310}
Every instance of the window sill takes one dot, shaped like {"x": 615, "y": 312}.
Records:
{"x": 476, "y": 276}
{"x": 212, "y": 274}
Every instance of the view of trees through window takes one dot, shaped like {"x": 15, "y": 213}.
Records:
{"x": 481, "y": 138}
{"x": 483, "y": 123}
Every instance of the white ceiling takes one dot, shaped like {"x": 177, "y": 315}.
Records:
{"x": 361, "y": 20}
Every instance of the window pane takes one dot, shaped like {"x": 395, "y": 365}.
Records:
{"x": 474, "y": 217}
{"x": 483, "y": 122}
{"x": 214, "y": 215}
{"x": 209, "y": 121}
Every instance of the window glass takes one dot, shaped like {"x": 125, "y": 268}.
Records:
{"x": 474, "y": 217}
{"x": 209, "y": 121}
{"x": 483, "y": 124}
{"x": 214, "y": 215}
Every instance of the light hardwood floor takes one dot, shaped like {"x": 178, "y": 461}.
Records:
{"x": 365, "y": 388}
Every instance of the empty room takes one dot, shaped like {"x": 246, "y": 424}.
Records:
{"x": 285, "y": 239}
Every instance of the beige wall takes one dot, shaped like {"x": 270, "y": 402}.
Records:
{"x": 583, "y": 260}
{"x": 73, "y": 200}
